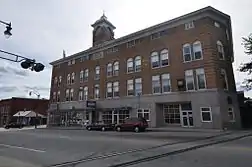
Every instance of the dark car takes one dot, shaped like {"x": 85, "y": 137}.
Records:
{"x": 14, "y": 125}
{"x": 132, "y": 124}
{"x": 100, "y": 126}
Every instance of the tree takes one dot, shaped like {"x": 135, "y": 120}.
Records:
{"x": 247, "y": 67}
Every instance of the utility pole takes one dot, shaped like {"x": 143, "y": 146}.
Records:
{"x": 38, "y": 96}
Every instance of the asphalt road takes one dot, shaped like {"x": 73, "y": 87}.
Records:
{"x": 34, "y": 148}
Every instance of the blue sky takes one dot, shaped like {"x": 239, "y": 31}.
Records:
{"x": 42, "y": 29}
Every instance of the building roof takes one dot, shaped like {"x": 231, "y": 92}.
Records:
{"x": 141, "y": 32}
{"x": 103, "y": 19}
{"x": 23, "y": 98}
{"x": 27, "y": 114}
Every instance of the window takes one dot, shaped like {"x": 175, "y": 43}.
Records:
{"x": 189, "y": 80}
{"x": 86, "y": 75}
{"x": 171, "y": 113}
{"x": 220, "y": 49}
{"x": 201, "y": 79}
{"x": 164, "y": 57}
{"x": 216, "y": 24}
{"x": 206, "y": 114}
{"x": 116, "y": 89}
{"x": 130, "y": 67}
{"x": 130, "y": 87}
{"x": 60, "y": 80}
{"x": 197, "y": 50}
{"x": 80, "y": 95}
{"x": 109, "y": 70}
{"x": 71, "y": 95}
{"x": 231, "y": 114}
{"x": 55, "y": 81}
{"x": 68, "y": 79}
{"x": 97, "y": 72}
{"x": 131, "y": 44}
{"x": 138, "y": 64}
{"x": 96, "y": 91}
{"x": 156, "y": 84}
{"x": 187, "y": 52}
{"x": 73, "y": 61}
{"x": 67, "y": 95}
{"x": 123, "y": 114}
{"x": 155, "y": 60}
{"x": 73, "y": 75}
{"x": 143, "y": 113}
{"x": 109, "y": 90}
{"x": 54, "y": 96}
{"x": 58, "y": 96}
{"x": 116, "y": 68}
{"x": 85, "y": 93}
{"x": 224, "y": 79}
{"x": 189, "y": 25}
{"x": 166, "y": 83}
{"x": 138, "y": 86}
{"x": 81, "y": 75}
{"x": 107, "y": 117}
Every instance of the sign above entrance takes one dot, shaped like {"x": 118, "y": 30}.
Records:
{"x": 91, "y": 104}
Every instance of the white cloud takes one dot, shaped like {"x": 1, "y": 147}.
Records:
{"x": 42, "y": 29}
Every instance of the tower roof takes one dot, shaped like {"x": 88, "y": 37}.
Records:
{"x": 103, "y": 19}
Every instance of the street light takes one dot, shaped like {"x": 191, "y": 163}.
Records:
{"x": 7, "y": 32}
{"x": 38, "y": 96}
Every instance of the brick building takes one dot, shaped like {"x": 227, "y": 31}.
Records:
{"x": 176, "y": 73}
{"x": 9, "y": 107}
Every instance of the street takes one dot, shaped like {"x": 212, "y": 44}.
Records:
{"x": 50, "y": 147}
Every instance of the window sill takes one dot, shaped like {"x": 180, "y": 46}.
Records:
{"x": 206, "y": 121}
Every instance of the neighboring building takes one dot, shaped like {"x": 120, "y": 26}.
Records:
{"x": 177, "y": 73}
{"x": 9, "y": 107}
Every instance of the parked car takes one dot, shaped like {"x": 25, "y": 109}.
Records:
{"x": 132, "y": 124}
{"x": 14, "y": 125}
{"x": 100, "y": 126}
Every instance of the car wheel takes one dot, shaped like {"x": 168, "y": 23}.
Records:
{"x": 89, "y": 128}
{"x": 118, "y": 129}
{"x": 136, "y": 129}
{"x": 103, "y": 129}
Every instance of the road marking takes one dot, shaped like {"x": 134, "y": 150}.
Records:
{"x": 23, "y": 148}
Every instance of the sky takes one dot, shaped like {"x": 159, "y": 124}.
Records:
{"x": 43, "y": 29}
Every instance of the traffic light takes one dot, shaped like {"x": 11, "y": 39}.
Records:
{"x": 38, "y": 67}
{"x": 27, "y": 63}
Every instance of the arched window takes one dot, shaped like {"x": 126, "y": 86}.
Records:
{"x": 109, "y": 70}
{"x": 71, "y": 94}
{"x": 138, "y": 63}
{"x": 81, "y": 75}
{"x": 116, "y": 68}
{"x": 109, "y": 90}
{"x": 164, "y": 56}
{"x": 73, "y": 75}
{"x": 187, "y": 52}
{"x": 130, "y": 67}
{"x": 68, "y": 79}
{"x": 67, "y": 95}
{"x": 220, "y": 49}
{"x": 97, "y": 72}
{"x": 197, "y": 51}
{"x": 86, "y": 75}
{"x": 55, "y": 80}
{"x": 85, "y": 93}
{"x": 155, "y": 62}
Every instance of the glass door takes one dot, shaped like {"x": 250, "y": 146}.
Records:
{"x": 186, "y": 115}
{"x": 115, "y": 117}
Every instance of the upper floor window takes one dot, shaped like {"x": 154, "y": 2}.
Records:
{"x": 130, "y": 67}
{"x": 116, "y": 89}
{"x": 81, "y": 75}
{"x": 224, "y": 79}
{"x": 71, "y": 94}
{"x": 187, "y": 52}
{"x": 166, "y": 83}
{"x": 137, "y": 63}
{"x": 80, "y": 95}
{"x": 155, "y": 60}
{"x": 216, "y": 24}
{"x": 189, "y": 25}
{"x": 96, "y": 91}
{"x": 97, "y": 72}
{"x": 67, "y": 95}
{"x": 109, "y": 70}
{"x": 60, "y": 80}
{"x": 138, "y": 86}
{"x": 164, "y": 56}
{"x": 86, "y": 75}
{"x": 189, "y": 80}
{"x": 70, "y": 62}
{"x": 220, "y": 49}
{"x": 200, "y": 78}
{"x": 116, "y": 68}
{"x": 54, "y": 96}
{"x": 197, "y": 50}
{"x": 109, "y": 90}
{"x": 85, "y": 93}
{"x": 72, "y": 78}
{"x": 68, "y": 79}
{"x": 156, "y": 86}
{"x": 58, "y": 96}
{"x": 55, "y": 80}
{"x": 130, "y": 87}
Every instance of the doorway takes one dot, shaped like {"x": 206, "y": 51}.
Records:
{"x": 186, "y": 115}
